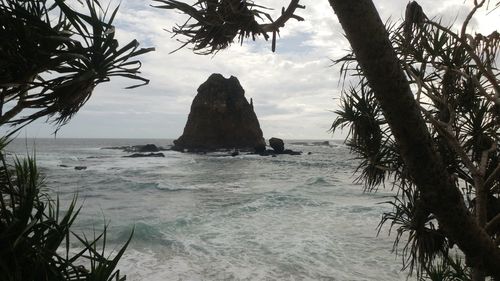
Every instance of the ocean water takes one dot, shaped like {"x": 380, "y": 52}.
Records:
{"x": 217, "y": 217}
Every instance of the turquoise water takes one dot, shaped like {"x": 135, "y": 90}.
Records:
{"x": 216, "y": 217}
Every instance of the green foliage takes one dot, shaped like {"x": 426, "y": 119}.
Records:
{"x": 35, "y": 232}
{"x": 456, "y": 85}
{"x": 213, "y": 25}
{"x": 447, "y": 269}
{"x": 216, "y": 24}
{"x": 52, "y": 57}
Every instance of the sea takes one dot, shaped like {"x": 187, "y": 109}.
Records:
{"x": 217, "y": 217}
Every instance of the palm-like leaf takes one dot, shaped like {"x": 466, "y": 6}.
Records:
{"x": 33, "y": 231}
{"x": 456, "y": 84}
{"x": 53, "y": 68}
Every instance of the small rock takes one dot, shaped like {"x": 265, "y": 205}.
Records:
{"x": 147, "y": 148}
{"x": 277, "y": 144}
{"x": 291, "y": 152}
{"x": 138, "y": 155}
{"x": 81, "y": 168}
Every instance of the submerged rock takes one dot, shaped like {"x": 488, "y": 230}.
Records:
{"x": 221, "y": 118}
{"x": 320, "y": 143}
{"x": 137, "y": 155}
{"x": 138, "y": 148}
{"x": 147, "y": 148}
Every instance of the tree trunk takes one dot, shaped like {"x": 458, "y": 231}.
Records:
{"x": 369, "y": 39}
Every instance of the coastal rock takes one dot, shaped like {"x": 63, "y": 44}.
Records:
{"x": 147, "y": 148}
{"x": 138, "y": 155}
{"x": 278, "y": 147}
{"x": 272, "y": 152}
{"x": 221, "y": 118}
{"x": 138, "y": 148}
{"x": 277, "y": 144}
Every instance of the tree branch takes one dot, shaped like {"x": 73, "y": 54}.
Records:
{"x": 486, "y": 72}
{"x": 286, "y": 15}
{"x": 470, "y": 15}
{"x": 493, "y": 224}
{"x": 216, "y": 24}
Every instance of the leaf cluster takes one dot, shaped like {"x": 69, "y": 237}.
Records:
{"x": 53, "y": 56}
{"x": 216, "y": 23}
{"x": 213, "y": 25}
{"x": 35, "y": 232}
{"x": 456, "y": 84}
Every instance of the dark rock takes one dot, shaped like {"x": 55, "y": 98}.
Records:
{"x": 271, "y": 152}
{"x": 64, "y": 166}
{"x": 300, "y": 143}
{"x": 138, "y": 148}
{"x": 137, "y": 155}
{"x": 235, "y": 153}
{"x": 81, "y": 168}
{"x": 277, "y": 144}
{"x": 320, "y": 143}
{"x": 291, "y": 152}
{"x": 267, "y": 152}
{"x": 147, "y": 148}
{"x": 309, "y": 153}
{"x": 221, "y": 118}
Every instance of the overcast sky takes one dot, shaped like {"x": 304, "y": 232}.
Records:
{"x": 294, "y": 90}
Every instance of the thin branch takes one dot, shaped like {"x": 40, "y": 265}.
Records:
{"x": 286, "y": 15}
{"x": 470, "y": 15}
{"x": 444, "y": 131}
{"x": 493, "y": 224}
{"x": 486, "y": 72}
{"x": 492, "y": 98}
{"x": 493, "y": 176}
{"x": 484, "y": 159}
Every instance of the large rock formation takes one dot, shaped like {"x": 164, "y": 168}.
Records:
{"x": 221, "y": 118}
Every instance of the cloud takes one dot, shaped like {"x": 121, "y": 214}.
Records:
{"x": 294, "y": 89}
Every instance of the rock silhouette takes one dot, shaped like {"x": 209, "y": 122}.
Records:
{"x": 277, "y": 144}
{"x": 221, "y": 118}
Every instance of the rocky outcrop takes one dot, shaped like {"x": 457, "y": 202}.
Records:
{"x": 277, "y": 144}
{"x": 221, "y": 118}
{"x": 140, "y": 155}
{"x": 138, "y": 148}
{"x": 147, "y": 148}
{"x": 278, "y": 147}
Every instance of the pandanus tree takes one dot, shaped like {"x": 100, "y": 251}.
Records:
{"x": 424, "y": 117}
{"x": 52, "y": 57}
{"x": 438, "y": 144}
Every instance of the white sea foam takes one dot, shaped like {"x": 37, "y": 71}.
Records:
{"x": 206, "y": 217}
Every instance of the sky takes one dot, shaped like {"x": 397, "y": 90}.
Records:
{"x": 295, "y": 90}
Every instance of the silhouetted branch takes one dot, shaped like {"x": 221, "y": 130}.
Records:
{"x": 213, "y": 25}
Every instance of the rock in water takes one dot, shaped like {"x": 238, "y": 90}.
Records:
{"x": 277, "y": 144}
{"x": 221, "y": 118}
